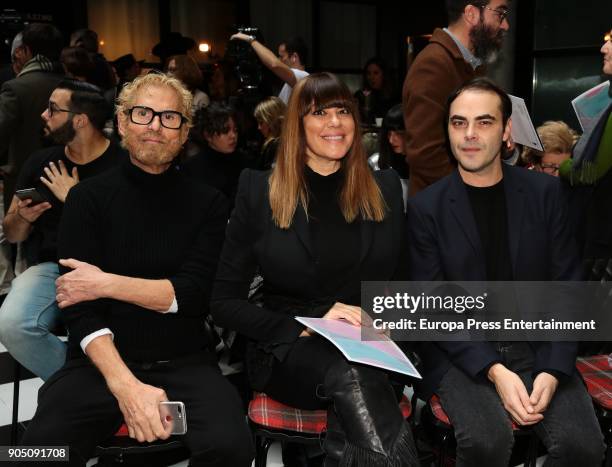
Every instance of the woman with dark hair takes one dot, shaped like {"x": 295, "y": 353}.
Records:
{"x": 392, "y": 143}
{"x": 375, "y": 97}
{"x": 219, "y": 163}
{"x": 316, "y": 226}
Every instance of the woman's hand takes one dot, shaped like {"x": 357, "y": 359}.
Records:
{"x": 59, "y": 180}
{"x": 349, "y": 313}
{"x": 341, "y": 312}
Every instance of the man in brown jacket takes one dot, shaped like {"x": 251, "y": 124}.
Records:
{"x": 453, "y": 56}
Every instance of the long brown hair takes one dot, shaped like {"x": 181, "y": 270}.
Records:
{"x": 359, "y": 195}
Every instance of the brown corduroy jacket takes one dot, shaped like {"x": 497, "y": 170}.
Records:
{"x": 436, "y": 72}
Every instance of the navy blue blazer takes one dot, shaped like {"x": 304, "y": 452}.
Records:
{"x": 444, "y": 244}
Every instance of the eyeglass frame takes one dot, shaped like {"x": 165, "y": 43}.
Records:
{"x": 502, "y": 15}
{"x": 156, "y": 114}
{"x": 549, "y": 167}
{"x": 51, "y": 110}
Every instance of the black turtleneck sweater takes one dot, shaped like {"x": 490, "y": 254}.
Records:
{"x": 336, "y": 243}
{"x": 218, "y": 170}
{"x": 136, "y": 224}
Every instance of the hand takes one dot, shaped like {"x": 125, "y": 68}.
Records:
{"x": 59, "y": 180}
{"x": 242, "y": 37}
{"x": 85, "y": 282}
{"x": 343, "y": 312}
{"x": 544, "y": 387}
{"x": 139, "y": 404}
{"x": 31, "y": 213}
{"x": 514, "y": 395}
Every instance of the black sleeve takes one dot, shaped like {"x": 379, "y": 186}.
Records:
{"x": 395, "y": 200}
{"x": 229, "y": 306}
{"x": 193, "y": 282}
{"x": 80, "y": 238}
{"x": 565, "y": 266}
{"x": 426, "y": 265}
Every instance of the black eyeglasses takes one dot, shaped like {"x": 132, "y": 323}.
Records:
{"x": 52, "y": 108}
{"x": 502, "y": 14}
{"x": 142, "y": 115}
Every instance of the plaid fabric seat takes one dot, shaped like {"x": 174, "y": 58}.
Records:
{"x": 111, "y": 451}
{"x": 267, "y": 412}
{"x": 442, "y": 417}
{"x": 446, "y": 430}
{"x": 597, "y": 374}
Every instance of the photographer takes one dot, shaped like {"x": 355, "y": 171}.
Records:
{"x": 288, "y": 66}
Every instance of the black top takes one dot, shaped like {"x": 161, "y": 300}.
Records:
{"x": 375, "y": 105}
{"x": 335, "y": 241}
{"x": 136, "y": 224}
{"x": 268, "y": 155}
{"x": 217, "y": 170}
{"x": 398, "y": 163}
{"x": 490, "y": 213}
{"x": 41, "y": 244}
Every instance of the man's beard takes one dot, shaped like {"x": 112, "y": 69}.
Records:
{"x": 150, "y": 154}
{"x": 63, "y": 134}
{"x": 486, "y": 42}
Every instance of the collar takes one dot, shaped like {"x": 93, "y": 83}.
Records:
{"x": 145, "y": 179}
{"x": 468, "y": 56}
{"x": 37, "y": 63}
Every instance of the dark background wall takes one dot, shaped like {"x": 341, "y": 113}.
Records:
{"x": 551, "y": 56}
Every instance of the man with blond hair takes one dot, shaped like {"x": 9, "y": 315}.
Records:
{"x": 143, "y": 256}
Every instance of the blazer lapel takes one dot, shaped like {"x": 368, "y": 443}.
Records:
{"x": 459, "y": 205}
{"x": 515, "y": 205}
{"x": 302, "y": 229}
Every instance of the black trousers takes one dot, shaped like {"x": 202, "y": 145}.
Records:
{"x": 570, "y": 430}
{"x": 76, "y": 408}
{"x": 297, "y": 381}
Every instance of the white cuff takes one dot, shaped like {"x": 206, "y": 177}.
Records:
{"x": 100, "y": 332}
{"x": 174, "y": 307}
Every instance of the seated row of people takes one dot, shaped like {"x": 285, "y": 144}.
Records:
{"x": 145, "y": 258}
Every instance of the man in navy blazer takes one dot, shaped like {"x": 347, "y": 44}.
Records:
{"x": 488, "y": 221}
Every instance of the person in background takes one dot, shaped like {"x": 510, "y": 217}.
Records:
{"x": 454, "y": 55}
{"x": 185, "y": 68}
{"x": 77, "y": 63}
{"x": 376, "y": 94}
{"x": 219, "y": 163}
{"x": 102, "y": 75}
{"x": 558, "y": 140}
{"x": 25, "y": 97}
{"x": 290, "y": 65}
{"x": 74, "y": 120}
{"x": 589, "y": 174}
{"x": 127, "y": 69}
{"x": 316, "y": 226}
{"x": 269, "y": 114}
{"x": 392, "y": 145}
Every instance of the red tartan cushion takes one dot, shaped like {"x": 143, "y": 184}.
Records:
{"x": 269, "y": 413}
{"x": 597, "y": 374}
{"x": 440, "y": 414}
